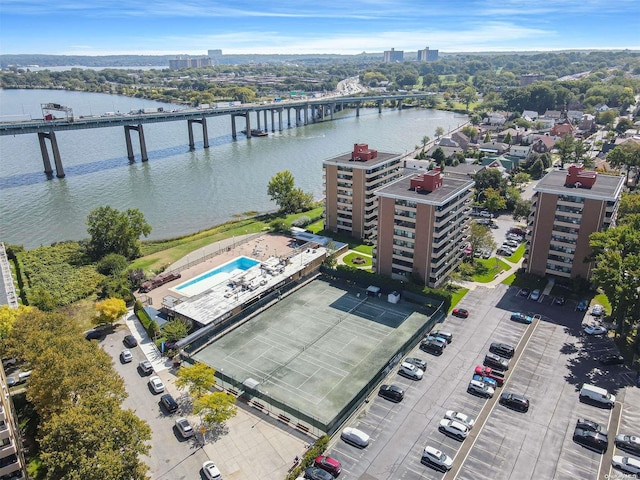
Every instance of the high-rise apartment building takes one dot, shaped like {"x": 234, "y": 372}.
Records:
{"x": 393, "y": 55}
{"x": 11, "y": 458}
{"x": 427, "y": 55}
{"x": 187, "y": 62}
{"x": 349, "y": 184}
{"x": 568, "y": 206}
{"x": 423, "y": 221}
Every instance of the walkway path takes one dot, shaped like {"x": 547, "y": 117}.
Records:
{"x": 498, "y": 279}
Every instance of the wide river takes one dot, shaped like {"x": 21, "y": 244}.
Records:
{"x": 178, "y": 191}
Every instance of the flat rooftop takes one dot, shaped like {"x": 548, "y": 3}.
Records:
{"x": 451, "y": 187}
{"x": 606, "y": 187}
{"x": 317, "y": 348}
{"x": 345, "y": 159}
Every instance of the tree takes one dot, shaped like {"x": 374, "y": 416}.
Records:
{"x": 629, "y": 205}
{"x": 566, "y": 148}
{"x": 487, "y": 137}
{"x": 112, "y": 231}
{"x": 536, "y": 169}
{"x": 520, "y": 178}
{"x": 438, "y": 155}
{"x": 425, "y": 140}
{"x": 112, "y": 264}
{"x": 282, "y": 191}
{"x": 521, "y": 209}
{"x": 508, "y": 138}
{"x": 626, "y": 154}
{"x": 198, "y": 379}
{"x": 489, "y": 178}
{"x": 493, "y": 200}
{"x": 468, "y": 95}
{"x": 8, "y": 317}
{"x": 175, "y": 330}
{"x": 109, "y": 310}
{"x": 480, "y": 238}
{"x": 215, "y": 407}
{"x": 470, "y": 131}
{"x": 439, "y": 132}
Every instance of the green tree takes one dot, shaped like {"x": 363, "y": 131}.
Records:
{"x": 425, "y": 140}
{"x": 625, "y": 155}
{"x": 493, "y": 200}
{"x": 198, "y": 378}
{"x": 566, "y": 148}
{"x": 112, "y": 231}
{"x": 629, "y": 205}
{"x": 439, "y": 132}
{"x": 282, "y": 191}
{"x": 537, "y": 169}
{"x": 438, "y": 155}
{"x": 480, "y": 238}
{"x": 468, "y": 95}
{"x": 521, "y": 209}
{"x": 8, "y": 317}
{"x": 215, "y": 407}
{"x": 470, "y": 131}
{"x": 489, "y": 178}
{"x": 112, "y": 264}
{"x": 520, "y": 179}
{"x": 487, "y": 137}
{"x": 109, "y": 310}
{"x": 175, "y": 330}
{"x": 508, "y": 138}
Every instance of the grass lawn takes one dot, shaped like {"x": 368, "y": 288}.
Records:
{"x": 457, "y": 296}
{"x": 366, "y": 249}
{"x": 601, "y": 299}
{"x": 517, "y": 255}
{"x": 492, "y": 269}
{"x": 348, "y": 259}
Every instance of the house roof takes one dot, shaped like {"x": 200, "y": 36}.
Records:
{"x": 547, "y": 140}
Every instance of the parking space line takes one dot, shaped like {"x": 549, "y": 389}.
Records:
{"x": 604, "y": 469}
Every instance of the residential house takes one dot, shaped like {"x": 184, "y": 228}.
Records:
{"x": 493, "y": 147}
{"x": 587, "y": 123}
{"x": 516, "y": 135}
{"x": 546, "y": 122}
{"x": 461, "y": 139}
{"x": 505, "y": 163}
{"x": 520, "y": 151}
{"x": 495, "y": 119}
{"x": 543, "y": 144}
{"x": 575, "y": 116}
{"x": 530, "y": 115}
{"x": 562, "y": 129}
{"x": 555, "y": 114}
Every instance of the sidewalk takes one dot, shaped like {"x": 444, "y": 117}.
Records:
{"x": 498, "y": 279}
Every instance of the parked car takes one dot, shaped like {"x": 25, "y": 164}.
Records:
{"x": 156, "y": 384}
{"x": 493, "y": 383}
{"x": 582, "y": 305}
{"x": 355, "y": 437}
{"x": 505, "y": 251}
{"x": 514, "y": 401}
{"x": 591, "y": 440}
{"x": 169, "y": 403}
{"x": 211, "y": 471}
{"x": 626, "y": 464}
{"x": 496, "y": 361}
{"x": 521, "y": 317}
{"x": 329, "y": 464}
{"x": 432, "y": 347}
{"x": 593, "y": 329}
{"x": 512, "y": 243}
{"x": 447, "y": 336}
{"x": 597, "y": 310}
{"x": 486, "y": 254}
{"x": 184, "y": 427}
{"x": 435, "y": 339}
{"x": 125, "y": 356}
{"x": 454, "y": 429}
{"x": 611, "y": 359}
{"x": 518, "y": 231}
{"x": 481, "y": 389}
{"x": 391, "y": 392}
{"x": 434, "y": 458}
{"x": 628, "y": 443}
{"x": 410, "y": 371}
{"x": 315, "y": 473}
{"x": 460, "y": 417}
{"x": 486, "y": 214}
{"x": 535, "y": 295}
{"x": 145, "y": 367}
{"x": 418, "y": 362}
{"x": 525, "y": 292}
{"x": 503, "y": 349}
{"x": 460, "y": 312}
{"x": 585, "y": 424}
{"x": 130, "y": 341}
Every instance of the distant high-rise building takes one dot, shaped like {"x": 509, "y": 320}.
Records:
{"x": 427, "y": 55}
{"x": 180, "y": 63}
{"x": 393, "y": 55}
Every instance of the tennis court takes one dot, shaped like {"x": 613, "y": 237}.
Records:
{"x": 317, "y": 348}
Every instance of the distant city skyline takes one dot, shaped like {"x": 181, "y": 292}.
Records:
{"x": 191, "y": 27}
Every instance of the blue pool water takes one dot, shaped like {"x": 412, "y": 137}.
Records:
{"x": 240, "y": 263}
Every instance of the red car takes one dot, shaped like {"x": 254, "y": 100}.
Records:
{"x": 328, "y": 464}
{"x": 460, "y": 312}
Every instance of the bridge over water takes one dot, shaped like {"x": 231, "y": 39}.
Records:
{"x": 305, "y": 111}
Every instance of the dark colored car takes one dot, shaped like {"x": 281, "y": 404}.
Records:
{"x": 514, "y": 401}
{"x": 591, "y": 440}
{"x": 391, "y": 392}
{"x": 432, "y": 347}
{"x": 94, "y": 335}
{"x": 496, "y": 361}
{"x": 329, "y": 464}
{"x": 503, "y": 349}
{"x": 460, "y": 312}
{"x": 315, "y": 473}
{"x": 590, "y": 425}
{"x": 628, "y": 443}
{"x": 130, "y": 341}
{"x": 418, "y": 362}
{"x": 525, "y": 292}
{"x": 611, "y": 359}
{"x": 169, "y": 403}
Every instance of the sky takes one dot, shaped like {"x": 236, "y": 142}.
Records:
{"x": 161, "y": 27}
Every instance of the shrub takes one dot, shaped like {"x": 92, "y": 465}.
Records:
{"x": 302, "y": 221}
{"x": 310, "y": 455}
{"x": 147, "y": 322}
{"x": 112, "y": 264}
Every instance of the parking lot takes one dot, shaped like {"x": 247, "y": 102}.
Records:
{"x": 553, "y": 360}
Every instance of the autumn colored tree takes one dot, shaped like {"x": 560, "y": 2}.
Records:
{"x": 198, "y": 379}
{"x": 216, "y": 407}
{"x": 109, "y": 310}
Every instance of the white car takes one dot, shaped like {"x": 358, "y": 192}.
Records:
{"x": 597, "y": 310}
{"x": 211, "y": 471}
{"x": 480, "y": 388}
{"x": 626, "y": 464}
{"x": 355, "y": 437}
{"x": 454, "y": 429}
{"x": 512, "y": 243}
{"x": 436, "y": 459}
{"x": 126, "y": 356}
{"x": 411, "y": 371}
{"x": 184, "y": 427}
{"x": 460, "y": 417}
{"x": 156, "y": 384}
{"x": 594, "y": 330}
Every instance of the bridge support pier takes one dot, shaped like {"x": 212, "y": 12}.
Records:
{"x": 333, "y": 108}
{"x": 205, "y": 134}
{"x": 266, "y": 124}
{"x": 280, "y": 119}
{"x": 273, "y": 121}
{"x": 143, "y": 145}
{"x": 306, "y": 114}
{"x": 379, "y": 102}
{"x": 51, "y": 136}
{"x": 357, "y": 109}
{"x": 288, "y": 117}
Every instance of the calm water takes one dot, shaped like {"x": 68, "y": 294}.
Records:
{"x": 179, "y": 191}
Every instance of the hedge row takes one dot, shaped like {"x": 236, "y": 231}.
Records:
{"x": 147, "y": 322}
{"x": 310, "y": 455}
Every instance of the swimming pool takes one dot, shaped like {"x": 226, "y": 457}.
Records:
{"x": 215, "y": 276}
